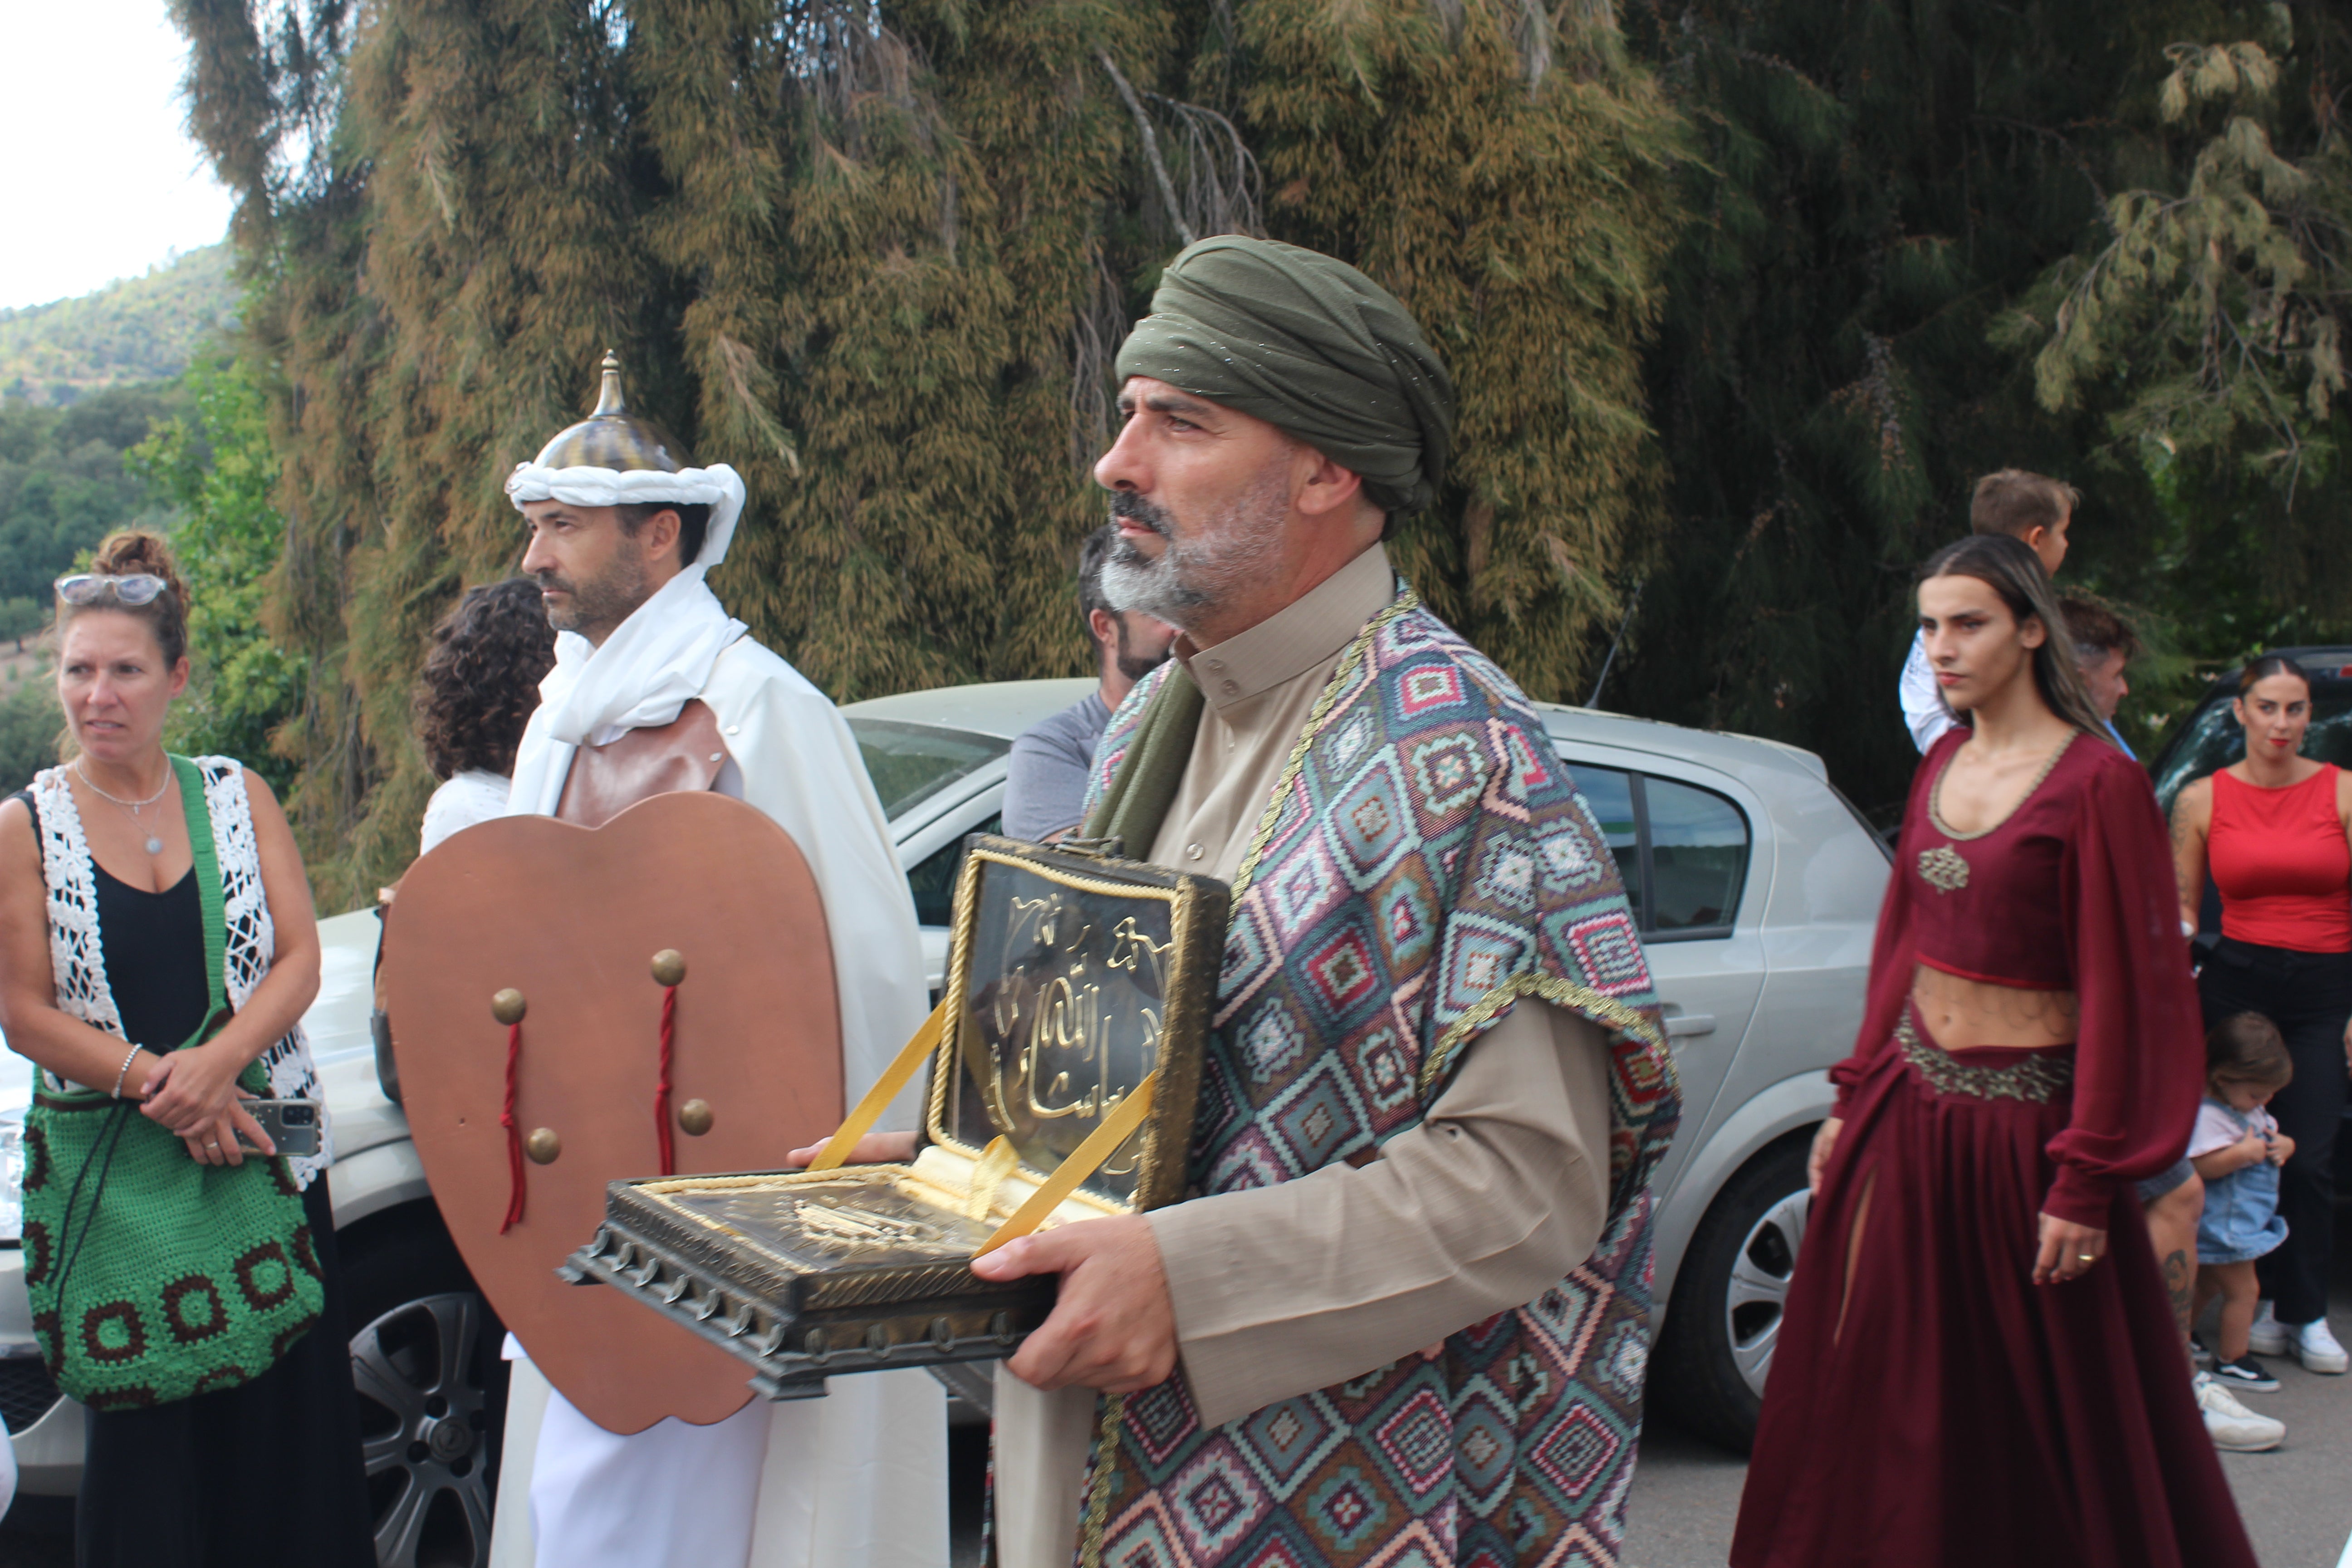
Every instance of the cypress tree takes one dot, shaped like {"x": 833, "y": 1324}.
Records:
{"x": 876, "y": 257}
{"x": 1513, "y": 186}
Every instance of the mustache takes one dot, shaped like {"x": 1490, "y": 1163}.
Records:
{"x": 547, "y": 580}
{"x": 1129, "y": 507}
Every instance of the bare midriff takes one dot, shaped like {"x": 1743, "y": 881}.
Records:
{"x": 1974, "y": 1015}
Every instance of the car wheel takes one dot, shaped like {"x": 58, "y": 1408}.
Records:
{"x": 424, "y": 1358}
{"x": 1730, "y": 1299}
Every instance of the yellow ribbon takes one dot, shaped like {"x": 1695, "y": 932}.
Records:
{"x": 1084, "y": 1160}
{"x": 886, "y": 1089}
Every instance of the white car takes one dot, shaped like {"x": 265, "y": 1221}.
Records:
{"x": 1756, "y": 885}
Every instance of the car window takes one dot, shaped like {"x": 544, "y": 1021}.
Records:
{"x": 933, "y": 880}
{"x": 911, "y": 763}
{"x": 2214, "y": 740}
{"x": 1698, "y": 856}
{"x": 1610, "y": 796}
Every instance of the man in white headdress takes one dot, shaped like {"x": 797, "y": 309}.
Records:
{"x": 656, "y": 689}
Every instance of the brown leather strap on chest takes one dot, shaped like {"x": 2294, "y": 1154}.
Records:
{"x": 685, "y": 755}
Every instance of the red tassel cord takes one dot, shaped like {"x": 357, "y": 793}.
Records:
{"x": 515, "y": 1178}
{"x": 661, "y": 1088}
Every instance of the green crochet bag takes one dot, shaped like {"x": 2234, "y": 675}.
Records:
{"x": 153, "y": 1277}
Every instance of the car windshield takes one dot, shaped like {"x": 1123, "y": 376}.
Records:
{"x": 2214, "y": 740}
{"x": 911, "y": 763}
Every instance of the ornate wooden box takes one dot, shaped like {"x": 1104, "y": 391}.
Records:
{"x": 1065, "y": 1059}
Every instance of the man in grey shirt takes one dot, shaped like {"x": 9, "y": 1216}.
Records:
{"x": 1047, "y": 782}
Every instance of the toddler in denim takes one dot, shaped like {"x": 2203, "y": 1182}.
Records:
{"x": 2241, "y": 1221}
{"x": 2238, "y": 1149}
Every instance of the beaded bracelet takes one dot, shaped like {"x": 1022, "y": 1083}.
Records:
{"x": 124, "y": 1071}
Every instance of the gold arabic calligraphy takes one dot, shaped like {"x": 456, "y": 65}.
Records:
{"x": 1048, "y": 1008}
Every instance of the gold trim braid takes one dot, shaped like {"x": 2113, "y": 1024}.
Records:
{"x": 2040, "y": 1078}
{"x": 1405, "y": 603}
{"x": 1559, "y": 992}
{"x": 1106, "y": 1455}
{"x": 1936, "y": 793}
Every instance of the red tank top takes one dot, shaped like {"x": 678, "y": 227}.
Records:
{"x": 2280, "y": 859}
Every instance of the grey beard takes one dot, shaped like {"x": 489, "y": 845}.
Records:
{"x": 1199, "y": 573}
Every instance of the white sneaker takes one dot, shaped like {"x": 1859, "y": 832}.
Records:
{"x": 2312, "y": 1344}
{"x": 2233, "y": 1427}
{"x": 2268, "y": 1336}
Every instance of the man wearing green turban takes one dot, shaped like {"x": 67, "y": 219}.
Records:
{"x": 1405, "y": 1316}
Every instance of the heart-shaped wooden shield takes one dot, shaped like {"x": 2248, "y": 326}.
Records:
{"x": 573, "y": 919}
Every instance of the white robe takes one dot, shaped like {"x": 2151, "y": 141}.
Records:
{"x": 859, "y": 1477}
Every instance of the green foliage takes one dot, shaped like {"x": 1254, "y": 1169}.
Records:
{"x": 2208, "y": 329}
{"x": 1876, "y": 188}
{"x": 63, "y": 485}
{"x": 133, "y": 330}
{"x": 1518, "y": 195}
{"x": 219, "y": 472}
{"x": 30, "y": 724}
{"x": 21, "y": 618}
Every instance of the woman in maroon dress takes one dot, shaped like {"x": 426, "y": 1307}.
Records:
{"x": 1978, "y": 1362}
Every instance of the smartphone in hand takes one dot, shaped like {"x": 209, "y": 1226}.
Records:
{"x": 292, "y": 1124}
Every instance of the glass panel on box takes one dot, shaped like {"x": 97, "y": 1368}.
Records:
{"x": 1060, "y": 1018}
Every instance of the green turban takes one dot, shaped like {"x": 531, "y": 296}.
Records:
{"x": 1311, "y": 346}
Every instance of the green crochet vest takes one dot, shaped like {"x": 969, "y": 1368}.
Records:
{"x": 153, "y": 1277}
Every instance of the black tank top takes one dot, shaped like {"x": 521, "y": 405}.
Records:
{"x": 154, "y": 947}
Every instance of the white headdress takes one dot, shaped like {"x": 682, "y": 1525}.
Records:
{"x": 614, "y": 458}
{"x": 662, "y": 656}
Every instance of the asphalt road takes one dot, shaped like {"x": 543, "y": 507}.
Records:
{"x": 2294, "y": 1500}
{"x": 1686, "y": 1492}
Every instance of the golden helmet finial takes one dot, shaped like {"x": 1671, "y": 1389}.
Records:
{"x": 609, "y": 401}
{"x": 612, "y": 438}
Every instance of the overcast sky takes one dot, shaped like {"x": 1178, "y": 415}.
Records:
{"x": 102, "y": 181}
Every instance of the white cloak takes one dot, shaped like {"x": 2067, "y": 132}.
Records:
{"x": 856, "y": 1477}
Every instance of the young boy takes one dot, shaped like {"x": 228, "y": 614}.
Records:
{"x": 2031, "y": 509}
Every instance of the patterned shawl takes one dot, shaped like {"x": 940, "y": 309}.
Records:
{"x": 1423, "y": 863}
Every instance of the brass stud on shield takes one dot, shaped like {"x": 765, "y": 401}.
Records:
{"x": 693, "y": 1117}
{"x": 508, "y": 1006}
{"x": 669, "y": 967}
{"x": 543, "y": 1146}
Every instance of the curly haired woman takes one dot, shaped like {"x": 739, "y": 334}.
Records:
{"x": 480, "y": 683}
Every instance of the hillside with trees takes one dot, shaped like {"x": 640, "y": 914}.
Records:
{"x": 134, "y": 329}
{"x": 64, "y": 483}
{"x": 1740, "y": 299}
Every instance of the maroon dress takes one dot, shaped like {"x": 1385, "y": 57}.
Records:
{"x": 1961, "y": 1414}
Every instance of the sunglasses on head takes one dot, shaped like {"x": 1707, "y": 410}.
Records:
{"x": 93, "y": 588}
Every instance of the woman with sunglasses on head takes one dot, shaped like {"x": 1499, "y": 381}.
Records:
{"x": 1978, "y": 1363}
{"x": 2274, "y": 833}
{"x": 157, "y": 950}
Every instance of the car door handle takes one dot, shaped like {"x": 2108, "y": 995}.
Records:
{"x": 1682, "y": 1026}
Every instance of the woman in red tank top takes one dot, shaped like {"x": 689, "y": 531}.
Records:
{"x": 1978, "y": 1363}
{"x": 2274, "y": 833}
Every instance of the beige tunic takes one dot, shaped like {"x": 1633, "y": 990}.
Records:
{"x": 1279, "y": 1291}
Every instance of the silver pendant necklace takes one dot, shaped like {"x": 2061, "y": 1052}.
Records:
{"x": 154, "y": 843}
